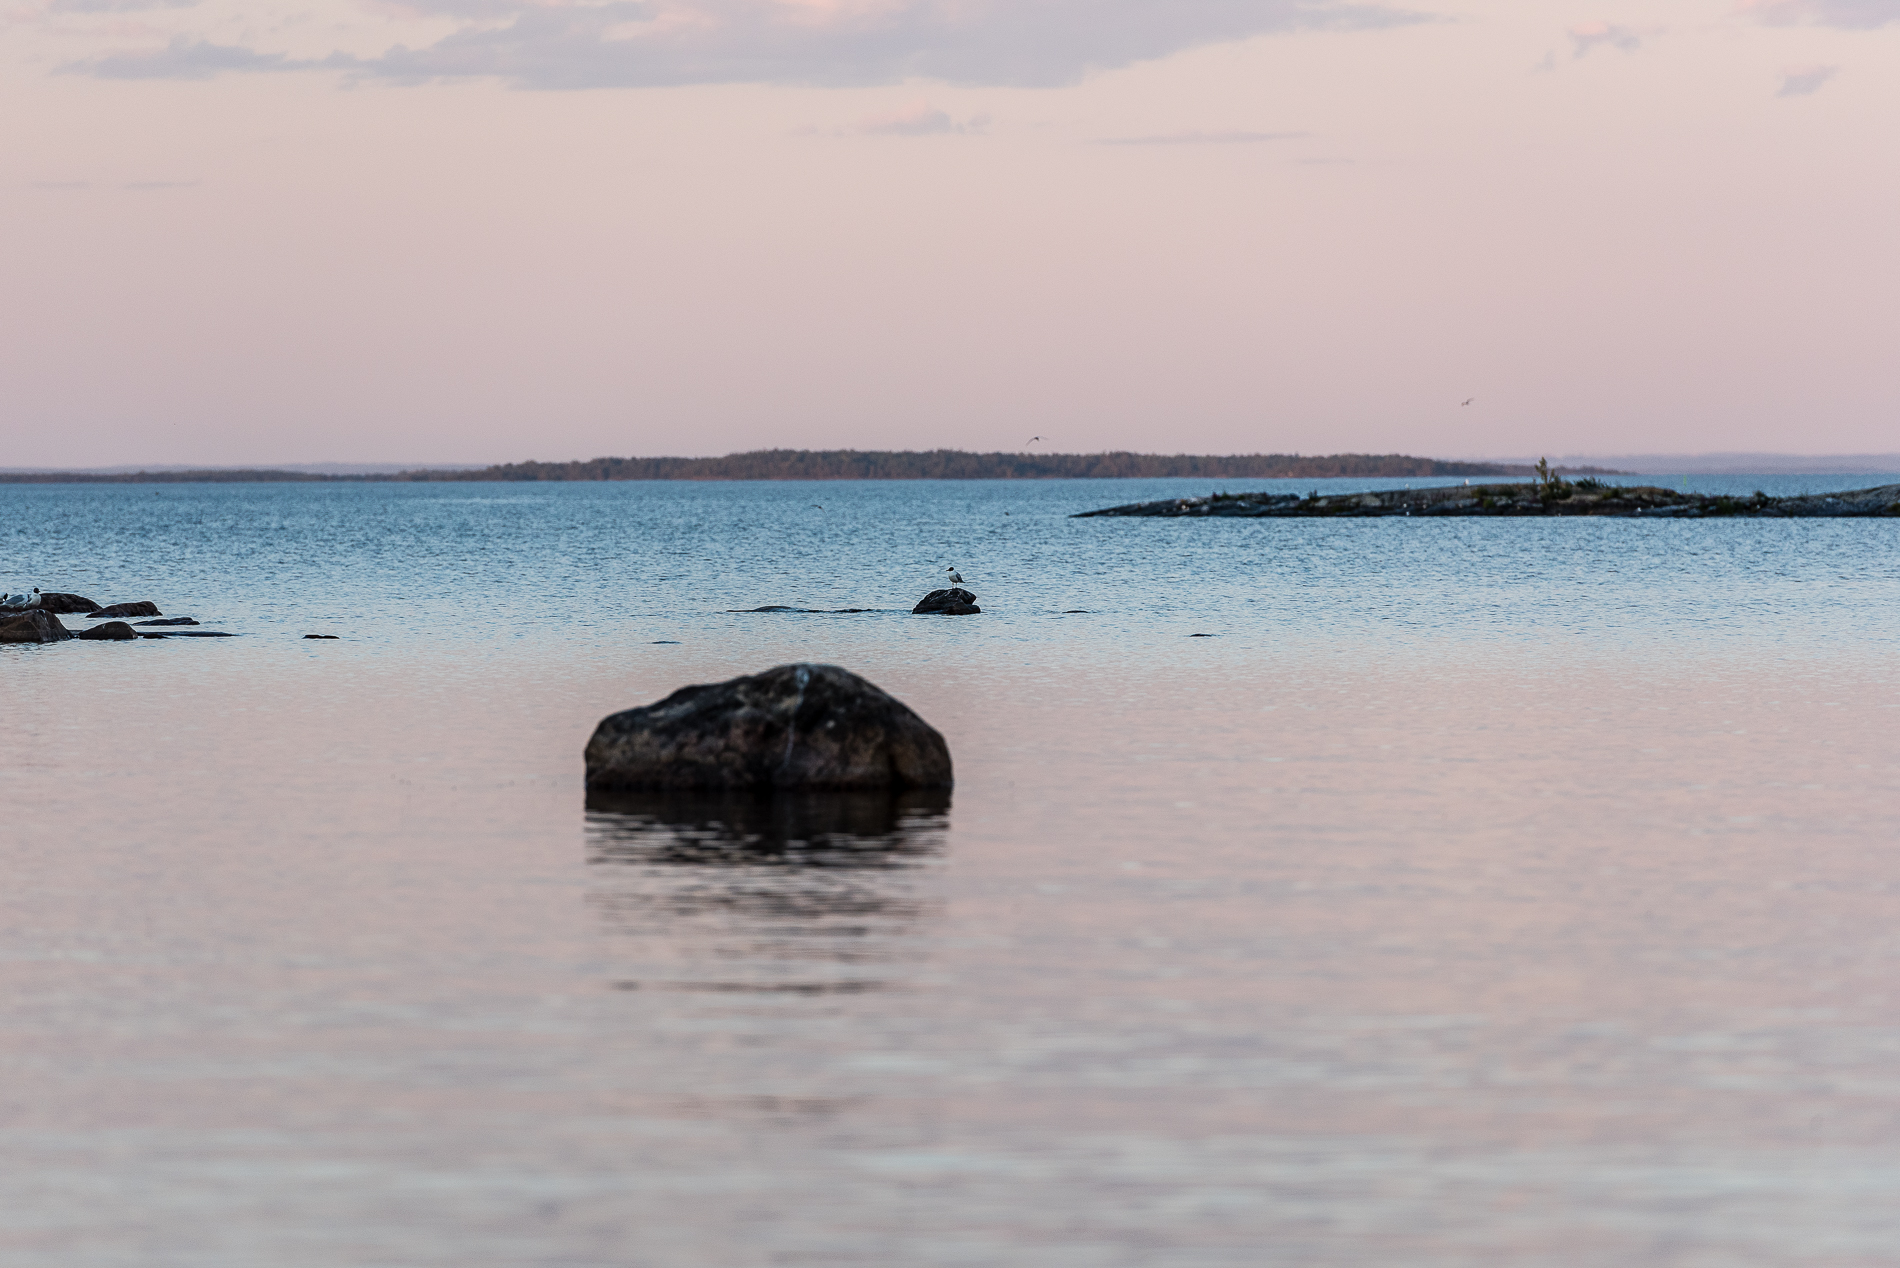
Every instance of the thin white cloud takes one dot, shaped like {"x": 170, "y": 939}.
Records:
{"x": 921, "y": 120}
{"x": 1593, "y": 35}
{"x": 656, "y": 43}
{"x": 1848, "y": 15}
{"x": 1806, "y": 80}
{"x": 116, "y": 6}
{"x": 186, "y": 58}
{"x": 1205, "y": 138}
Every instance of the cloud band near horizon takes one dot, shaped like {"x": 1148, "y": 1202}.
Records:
{"x": 645, "y": 44}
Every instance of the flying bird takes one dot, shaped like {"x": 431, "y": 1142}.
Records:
{"x": 1032, "y": 440}
{"x": 1467, "y": 400}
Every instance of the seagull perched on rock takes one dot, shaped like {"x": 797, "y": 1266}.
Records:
{"x": 956, "y": 578}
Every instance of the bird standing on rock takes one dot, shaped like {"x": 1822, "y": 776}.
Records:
{"x": 956, "y": 578}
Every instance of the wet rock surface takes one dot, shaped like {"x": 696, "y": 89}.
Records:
{"x": 111, "y": 630}
{"x": 32, "y": 626}
{"x": 170, "y": 620}
{"x": 141, "y": 608}
{"x": 801, "y": 726}
{"x": 1561, "y": 498}
{"x": 66, "y": 604}
{"x": 952, "y": 602}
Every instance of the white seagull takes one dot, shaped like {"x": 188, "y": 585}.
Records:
{"x": 956, "y": 578}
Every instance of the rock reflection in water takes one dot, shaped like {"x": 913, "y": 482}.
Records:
{"x": 796, "y": 895}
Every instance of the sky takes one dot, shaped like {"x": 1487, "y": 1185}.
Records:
{"x": 493, "y": 230}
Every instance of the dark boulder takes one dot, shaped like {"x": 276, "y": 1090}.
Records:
{"x": 170, "y": 620}
{"x": 32, "y": 626}
{"x": 328, "y": 636}
{"x": 793, "y": 727}
{"x": 952, "y": 602}
{"x": 141, "y": 608}
{"x": 110, "y": 630}
{"x": 67, "y": 603}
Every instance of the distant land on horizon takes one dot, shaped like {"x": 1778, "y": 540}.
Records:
{"x": 839, "y": 464}
{"x": 1739, "y": 463}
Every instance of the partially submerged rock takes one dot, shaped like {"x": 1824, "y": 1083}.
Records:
{"x": 141, "y": 608}
{"x": 110, "y": 630}
{"x": 793, "y": 727}
{"x": 34, "y": 625}
{"x": 955, "y": 601}
{"x": 170, "y": 620}
{"x": 65, "y": 604}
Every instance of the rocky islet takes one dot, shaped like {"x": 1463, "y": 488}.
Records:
{"x": 1539, "y": 498}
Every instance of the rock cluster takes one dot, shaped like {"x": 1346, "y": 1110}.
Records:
{"x": 793, "y": 727}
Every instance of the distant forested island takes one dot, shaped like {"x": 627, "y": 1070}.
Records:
{"x": 857, "y": 464}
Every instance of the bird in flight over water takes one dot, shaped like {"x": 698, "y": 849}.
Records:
{"x": 956, "y": 578}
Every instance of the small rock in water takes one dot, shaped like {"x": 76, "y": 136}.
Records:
{"x": 66, "y": 603}
{"x": 110, "y": 630}
{"x": 170, "y": 620}
{"x": 793, "y": 727}
{"x": 952, "y": 602}
{"x": 32, "y": 626}
{"x": 141, "y": 608}
{"x": 319, "y": 636}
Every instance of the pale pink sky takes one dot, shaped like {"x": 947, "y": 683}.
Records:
{"x": 477, "y": 230}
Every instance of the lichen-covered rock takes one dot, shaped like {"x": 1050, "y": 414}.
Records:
{"x": 110, "y": 630}
{"x": 35, "y": 625}
{"x": 141, "y": 608}
{"x": 952, "y": 602}
{"x": 793, "y": 727}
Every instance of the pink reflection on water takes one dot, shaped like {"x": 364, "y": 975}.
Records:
{"x": 1422, "y": 958}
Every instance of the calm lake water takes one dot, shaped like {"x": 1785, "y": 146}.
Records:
{"x": 1479, "y": 892}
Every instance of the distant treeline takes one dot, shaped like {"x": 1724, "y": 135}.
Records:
{"x": 856, "y": 464}
{"x": 217, "y": 475}
{"x": 956, "y": 464}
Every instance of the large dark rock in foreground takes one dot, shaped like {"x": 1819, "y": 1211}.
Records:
{"x": 1564, "y": 497}
{"x": 34, "y": 625}
{"x": 141, "y": 608}
{"x": 67, "y": 603}
{"x": 794, "y": 727}
{"x": 110, "y": 630}
{"x": 952, "y": 602}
